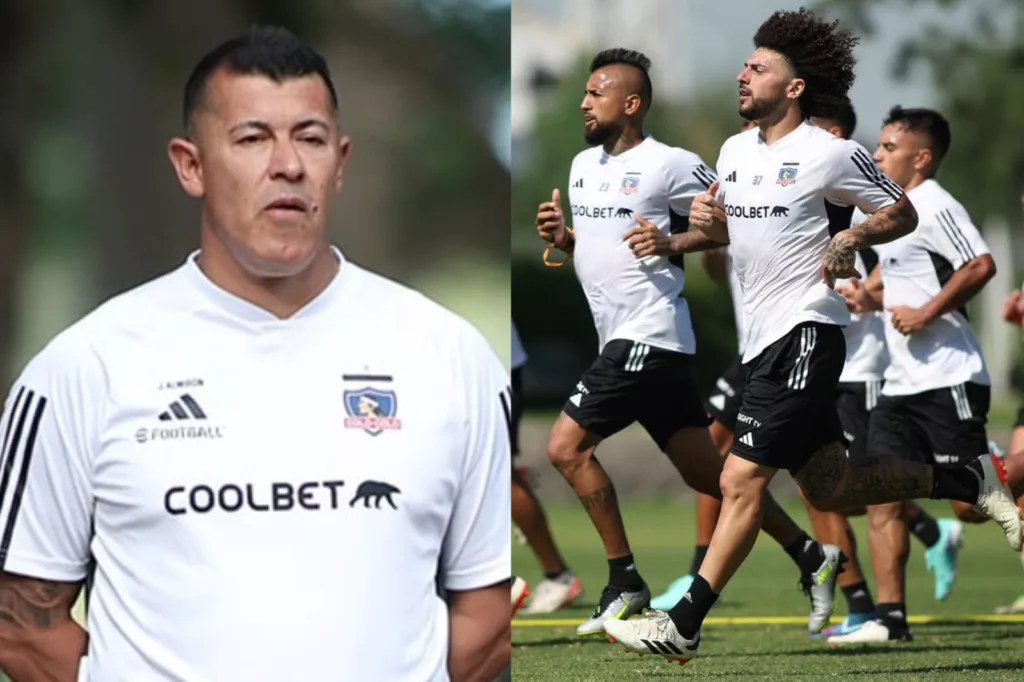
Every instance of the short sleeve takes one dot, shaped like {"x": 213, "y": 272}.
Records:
{"x": 856, "y": 180}
{"x": 686, "y": 177}
{"x": 49, "y": 429}
{"x": 952, "y": 235}
{"x": 477, "y": 551}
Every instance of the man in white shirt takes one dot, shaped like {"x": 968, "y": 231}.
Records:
{"x": 560, "y": 586}
{"x": 630, "y": 197}
{"x": 934, "y": 404}
{"x": 269, "y": 418}
{"x": 788, "y": 190}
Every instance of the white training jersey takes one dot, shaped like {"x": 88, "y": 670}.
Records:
{"x": 261, "y": 499}
{"x": 914, "y": 269}
{"x": 631, "y": 298}
{"x": 736, "y": 293}
{"x": 784, "y": 203}
{"x": 518, "y": 352}
{"x": 866, "y": 355}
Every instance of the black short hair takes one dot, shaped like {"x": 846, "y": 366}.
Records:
{"x": 818, "y": 51}
{"x": 620, "y": 55}
{"x": 844, "y": 116}
{"x": 928, "y": 121}
{"x": 263, "y": 50}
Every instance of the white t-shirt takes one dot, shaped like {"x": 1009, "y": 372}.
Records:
{"x": 784, "y": 202}
{"x": 634, "y": 299}
{"x": 518, "y": 352}
{"x": 736, "y": 293}
{"x": 257, "y": 493}
{"x": 914, "y": 269}
{"x": 866, "y": 355}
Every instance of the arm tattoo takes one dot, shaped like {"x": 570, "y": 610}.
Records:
{"x": 29, "y": 604}
{"x": 841, "y": 254}
{"x": 601, "y": 497}
{"x": 892, "y": 222}
{"x": 835, "y": 482}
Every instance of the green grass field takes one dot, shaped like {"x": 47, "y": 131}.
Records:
{"x": 771, "y": 642}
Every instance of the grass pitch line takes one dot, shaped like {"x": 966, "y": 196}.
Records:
{"x": 784, "y": 620}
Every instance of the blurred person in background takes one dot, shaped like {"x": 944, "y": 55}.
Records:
{"x": 560, "y": 586}
{"x": 630, "y": 197}
{"x": 259, "y": 419}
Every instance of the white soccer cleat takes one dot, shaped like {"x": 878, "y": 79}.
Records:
{"x": 872, "y": 632}
{"x": 996, "y": 501}
{"x": 820, "y": 586}
{"x": 615, "y": 604}
{"x": 552, "y": 594}
{"x": 656, "y": 634}
{"x": 520, "y": 591}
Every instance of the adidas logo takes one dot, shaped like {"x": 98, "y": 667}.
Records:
{"x": 578, "y": 184}
{"x": 185, "y": 407}
{"x": 731, "y": 177}
{"x": 663, "y": 647}
{"x": 747, "y": 439}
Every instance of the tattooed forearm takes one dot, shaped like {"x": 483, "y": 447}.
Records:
{"x": 38, "y": 638}
{"x": 601, "y": 497}
{"x": 886, "y": 225}
{"x": 841, "y": 253}
{"x": 692, "y": 241}
{"x": 833, "y": 482}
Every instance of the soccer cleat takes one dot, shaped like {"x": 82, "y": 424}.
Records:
{"x": 820, "y": 586}
{"x": 671, "y": 596}
{"x": 996, "y": 501}
{"x": 851, "y": 623}
{"x": 940, "y": 558}
{"x": 615, "y": 604}
{"x": 1015, "y": 607}
{"x": 552, "y": 594}
{"x": 520, "y": 591}
{"x": 656, "y": 634}
{"x": 994, "y": 448}
{"x": 872, "y": 632}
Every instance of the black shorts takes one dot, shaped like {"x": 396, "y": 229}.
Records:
{"x": 942, "y": 426}
{"x": 855, "y": 400}
{"x": 789, "y": 404}
{"x": 724, "y": 404}
{"x": 634, "y": 382}
{"x": 517, "y": 408}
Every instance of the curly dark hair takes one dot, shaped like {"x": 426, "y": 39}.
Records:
{"x": 621, "y": 55}
{"x": 818, "y": 51}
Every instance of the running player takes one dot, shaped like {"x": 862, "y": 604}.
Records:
{"x": 787, "y": 195}
{"x": 633, "y": 280}
{"x": 560, "y": 586}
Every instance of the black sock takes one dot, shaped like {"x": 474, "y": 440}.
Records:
{"x": 556, "y": 574}
{"x": 806, "y": 553}
{"x": 893, "y": 616}
{"x": 858, "y": 598}
{"x": 958, "y": 483}
{"x": 925, "y": 529}
{"x": 699, "y": 552}
{"x": 689, "y": 613}
{"x": 622, "y": 573}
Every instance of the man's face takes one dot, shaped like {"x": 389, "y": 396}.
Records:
{"x": 900, "y": 152}
{"x": 764, "y": 83}
{"x": 604, "y": 104}
{"x": 269, "y": 163}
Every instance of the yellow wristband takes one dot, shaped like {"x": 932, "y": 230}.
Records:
{"x": 551, "y": 245}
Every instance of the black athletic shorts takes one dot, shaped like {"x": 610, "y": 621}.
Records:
{"x": 855, "y": 400}
{"x": 942, "y": 426}
{"x": 788, "y": 410}
{"x": 517, "y": 408}
{"x": 724, "y": 403}
{"x": 634, "y": 382}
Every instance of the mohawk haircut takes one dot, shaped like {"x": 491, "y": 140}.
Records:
{"x": 928, "y": 121}
{"x": 265, "y": 51}
{"x": 819, "y": 52}
{"x": 844, "y": 116}
{"x": 620, "y": 55}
